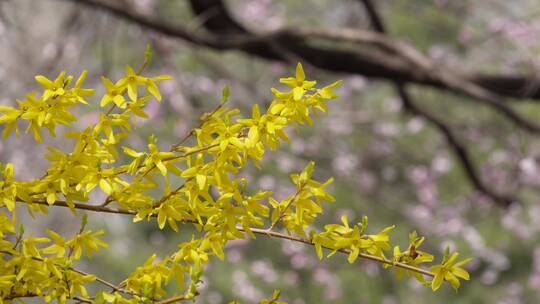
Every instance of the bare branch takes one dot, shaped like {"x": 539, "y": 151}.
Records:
{"x": 383, "y": 57}
{"x": 368, "y": 61}
{"x": 383, "y": 54}
{"x": 458, "y": 148}
{"x": 266, "y": 232}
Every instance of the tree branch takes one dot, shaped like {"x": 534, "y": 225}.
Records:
{"x": 460, "y": 151}
{"x": 266, "y": 232}
{"x": 403, "y": 54}
{"x": 458, "y": 148}
{"x": 376, "y": 55}
{"x": 369, "y": 61}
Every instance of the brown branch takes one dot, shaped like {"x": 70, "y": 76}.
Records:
{"x": 368, "y": 61}
{"x": 459, "y": 149}
{"x": 81, "y": 206}
{"x": 82, "y": 300}
{"x": 266, "y": 232}
{"x": 374, "y": 19}
{"x": 14, "y": 296}
{"x": 421, "y": 65}
{"x": 172, "y": 300}
{"x": 363, "y": 255}
{"x": 393, "y": 60}
{"x": 377, "y": 55}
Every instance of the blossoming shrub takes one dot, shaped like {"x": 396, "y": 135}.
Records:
{"x": 211, "y": 195}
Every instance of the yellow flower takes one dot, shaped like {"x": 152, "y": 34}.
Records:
{"x": 59, "y": 245}
{"x": 7, "y": 281}
{"x": 78, "y": 92}
{"x": 10, "y": 119}
{"x": 136, "y": 106}
{"x": 266, "y": 129}
{"x": 255, "y": 125}
{"x": 132, "y": 81}
{"x": 52, "y": 88}
{"x": 157, "y": 158}
{"x": 8, "y": 191}
{"x": 115, "y": 93}
{"x": 412, "y": 256}
{"x": 151, "y": 86}
{"x": 168, "y": 212}
{"x": 107, "y": 122}
{"x": 87, "y": 241}
{"x": 105, "y": 178}
{"x": 211, "y": 192}
{"x": 449, "y": 271}
{"x": 7, "y": 225}
{"x": 37, "y": 110}
{"x": 378, "y": 243}
{"x": 229, "y": 136}
{"x": 49, "y": 109}
{"x": 299, "y": 83}
{"x": 327, "y": 93}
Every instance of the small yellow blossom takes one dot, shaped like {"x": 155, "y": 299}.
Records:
{"x": 115, "y": 93}
{"x": 299, "y": 83}
{"x": 53, "y": 88}
{"x": 449, "y": 271}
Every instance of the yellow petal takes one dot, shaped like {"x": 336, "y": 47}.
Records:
{"x": 201, "y": 181}
{"x": 300, "y": 76}
{"x": 437, "y": 281}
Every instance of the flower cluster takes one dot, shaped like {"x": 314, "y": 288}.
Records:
{"x": 211, "y": 194}
{"x": 49, "y": 109}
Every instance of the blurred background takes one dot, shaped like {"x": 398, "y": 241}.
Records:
{"x": 443, "y": 163}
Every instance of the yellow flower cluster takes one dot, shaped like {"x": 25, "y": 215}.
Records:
{"x": 48, "y": 110}
{"x": 212, "y": 195}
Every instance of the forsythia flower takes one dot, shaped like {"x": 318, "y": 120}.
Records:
{"x": 48, "y": 110}
{"x": 299, "y": 83}
{"x": 8, "y": 191}
{"x": 449, "y": 271}
{"x": 115, "y": 93}
{"x": 412, "y": 256}
{"x": 158, "y": 159}
{"x": 52, "y": 88}
{"x": 298, "y": 211}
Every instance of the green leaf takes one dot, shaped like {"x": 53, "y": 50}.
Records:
{"x": 84, "y": 221}
{"x": 148, "y": 53}
{"x": 225, "y": 94}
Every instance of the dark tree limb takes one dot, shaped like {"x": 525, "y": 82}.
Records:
{"x": 396, "y": 52}
{"x": 459, "y": 149}
{"x": 375, "y": 55}
{"x": 369, "y": 62}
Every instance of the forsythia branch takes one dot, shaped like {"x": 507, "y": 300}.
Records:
{"x": 211, "y": 195}
{"x": 265, "y": 232}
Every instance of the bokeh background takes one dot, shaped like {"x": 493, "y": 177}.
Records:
{"x": 392, "y": 166}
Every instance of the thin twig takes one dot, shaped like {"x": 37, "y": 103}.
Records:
{"x": 334, "y": 59}
{"x": 287, "y": 237}
{"x": 363, "y": 255}
{"x": 172, "y": 300}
